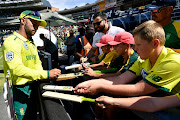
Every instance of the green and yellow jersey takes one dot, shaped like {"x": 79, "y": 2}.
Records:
{"x": 111, "y": 56}
{"x": 164, "y": 75}
{"x": 172, "y": 32}
{"x": 119, "y": 65}
{"x": 21, "y": 58}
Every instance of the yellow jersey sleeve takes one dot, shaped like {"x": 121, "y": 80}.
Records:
{"x": 110, "y": 57}
{"x": 136, "y": 68}
{"x": 22, "y": 69}
{"x": 100, "y": 56}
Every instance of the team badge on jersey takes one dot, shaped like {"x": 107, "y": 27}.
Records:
{"x": 168, "y": 36}
{"x": 25, "y": 45}
{"x": 9, "y": 56}
{"x": 144, "y": 73}
{"x": 22, "y": 111}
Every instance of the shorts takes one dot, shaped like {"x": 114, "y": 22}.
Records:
{"x": 25, "y": 99}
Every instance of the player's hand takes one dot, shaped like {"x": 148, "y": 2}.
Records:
{"x": 105, "y": 101}
{"x": 91, "y": 87}
{"x": 54, "y": 73}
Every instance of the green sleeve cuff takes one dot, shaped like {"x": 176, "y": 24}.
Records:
{"x": 95, "y": 62}
{"x": 111, "y": 70}
{"x": 48, "y": 74}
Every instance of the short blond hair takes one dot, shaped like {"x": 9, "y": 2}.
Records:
{"x": 150, "y": 30}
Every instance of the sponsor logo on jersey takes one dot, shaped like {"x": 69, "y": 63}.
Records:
{"x": 25, "y": 45}
{"x": 144, "y": 73}
{"x": 30, "y": 57}
{"x": 155, "y": 78}
{"x": 9, "y": 56}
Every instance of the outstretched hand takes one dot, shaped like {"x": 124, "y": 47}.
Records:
{"x": 91, "y": 87}
{"x": 89, "y": 71}
{"x": 105, "y": 101}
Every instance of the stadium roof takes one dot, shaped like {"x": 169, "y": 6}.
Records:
{"x": 77, "y": 9}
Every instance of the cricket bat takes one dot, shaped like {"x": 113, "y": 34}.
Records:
{"x": 58, "y": 88}
{"x": 69, "y": 76}
{"x": 68, "y": 97}
{"x": 75, "y": 66}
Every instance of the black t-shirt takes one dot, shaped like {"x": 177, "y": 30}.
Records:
{"x": 49, "y": 46}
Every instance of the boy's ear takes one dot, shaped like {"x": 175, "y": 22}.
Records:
{"x": 156, "y": 42}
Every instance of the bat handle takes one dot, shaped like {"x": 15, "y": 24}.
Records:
{"x": 89, "y": 99}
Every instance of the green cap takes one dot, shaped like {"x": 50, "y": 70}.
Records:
{"x": 33, "y": 15}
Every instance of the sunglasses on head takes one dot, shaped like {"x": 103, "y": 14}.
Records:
{"x": 34, "y": 14}
{"x": 159, "y": 10}
{"x": 97, "y": 23}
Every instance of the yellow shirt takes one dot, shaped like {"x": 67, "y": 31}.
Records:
{"x": 111, "y": 56}
{"x": 164, "y": 75}
{"x": 21, "y": 58}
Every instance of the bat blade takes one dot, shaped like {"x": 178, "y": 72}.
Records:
{"x": 75, "y": 66}
{"x": 72, "y": 66}
{"x": 59, "y": 88}
{"x": 68, "y": 97}
{"x": 69, "y": 76}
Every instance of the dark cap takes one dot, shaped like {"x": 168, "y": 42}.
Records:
{"x": 90, "y": 28}
{"x": 164, "y": 2}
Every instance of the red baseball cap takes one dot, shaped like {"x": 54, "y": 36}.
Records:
{"x": 104, "y": 40}
{"x": 122, "y": 37}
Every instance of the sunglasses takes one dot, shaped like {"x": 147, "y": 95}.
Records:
{"x": 159, "y": 10}
{"x": 34, "y": 14}
{"x": 97, "y": 23}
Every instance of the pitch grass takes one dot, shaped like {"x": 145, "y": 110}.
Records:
{"x": 2, "y": 79}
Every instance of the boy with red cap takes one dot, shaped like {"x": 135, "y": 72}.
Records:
{"x": 108, "y": 55}
{"x": 122, "y": 43}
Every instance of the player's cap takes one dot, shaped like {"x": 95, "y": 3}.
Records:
{"x": 122, "y": 37}
{"x": 33, "y": 15}
{"x": 104, "y": 40}
{"x": 156, "y": 4}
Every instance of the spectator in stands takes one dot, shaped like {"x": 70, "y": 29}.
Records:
{"x": 21, "y": 58}
{"x": 158, "y": 66}
{"x": 51, "y": 48}
{"x": 102, "y": 27}
{"x": 81, "y": 31}
{"x": 70, "y": 42}
{"x": 84, "y": 43}
{"x": 162, "y": 15}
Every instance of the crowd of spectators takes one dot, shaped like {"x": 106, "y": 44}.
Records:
{"x": 62, "y": 32}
